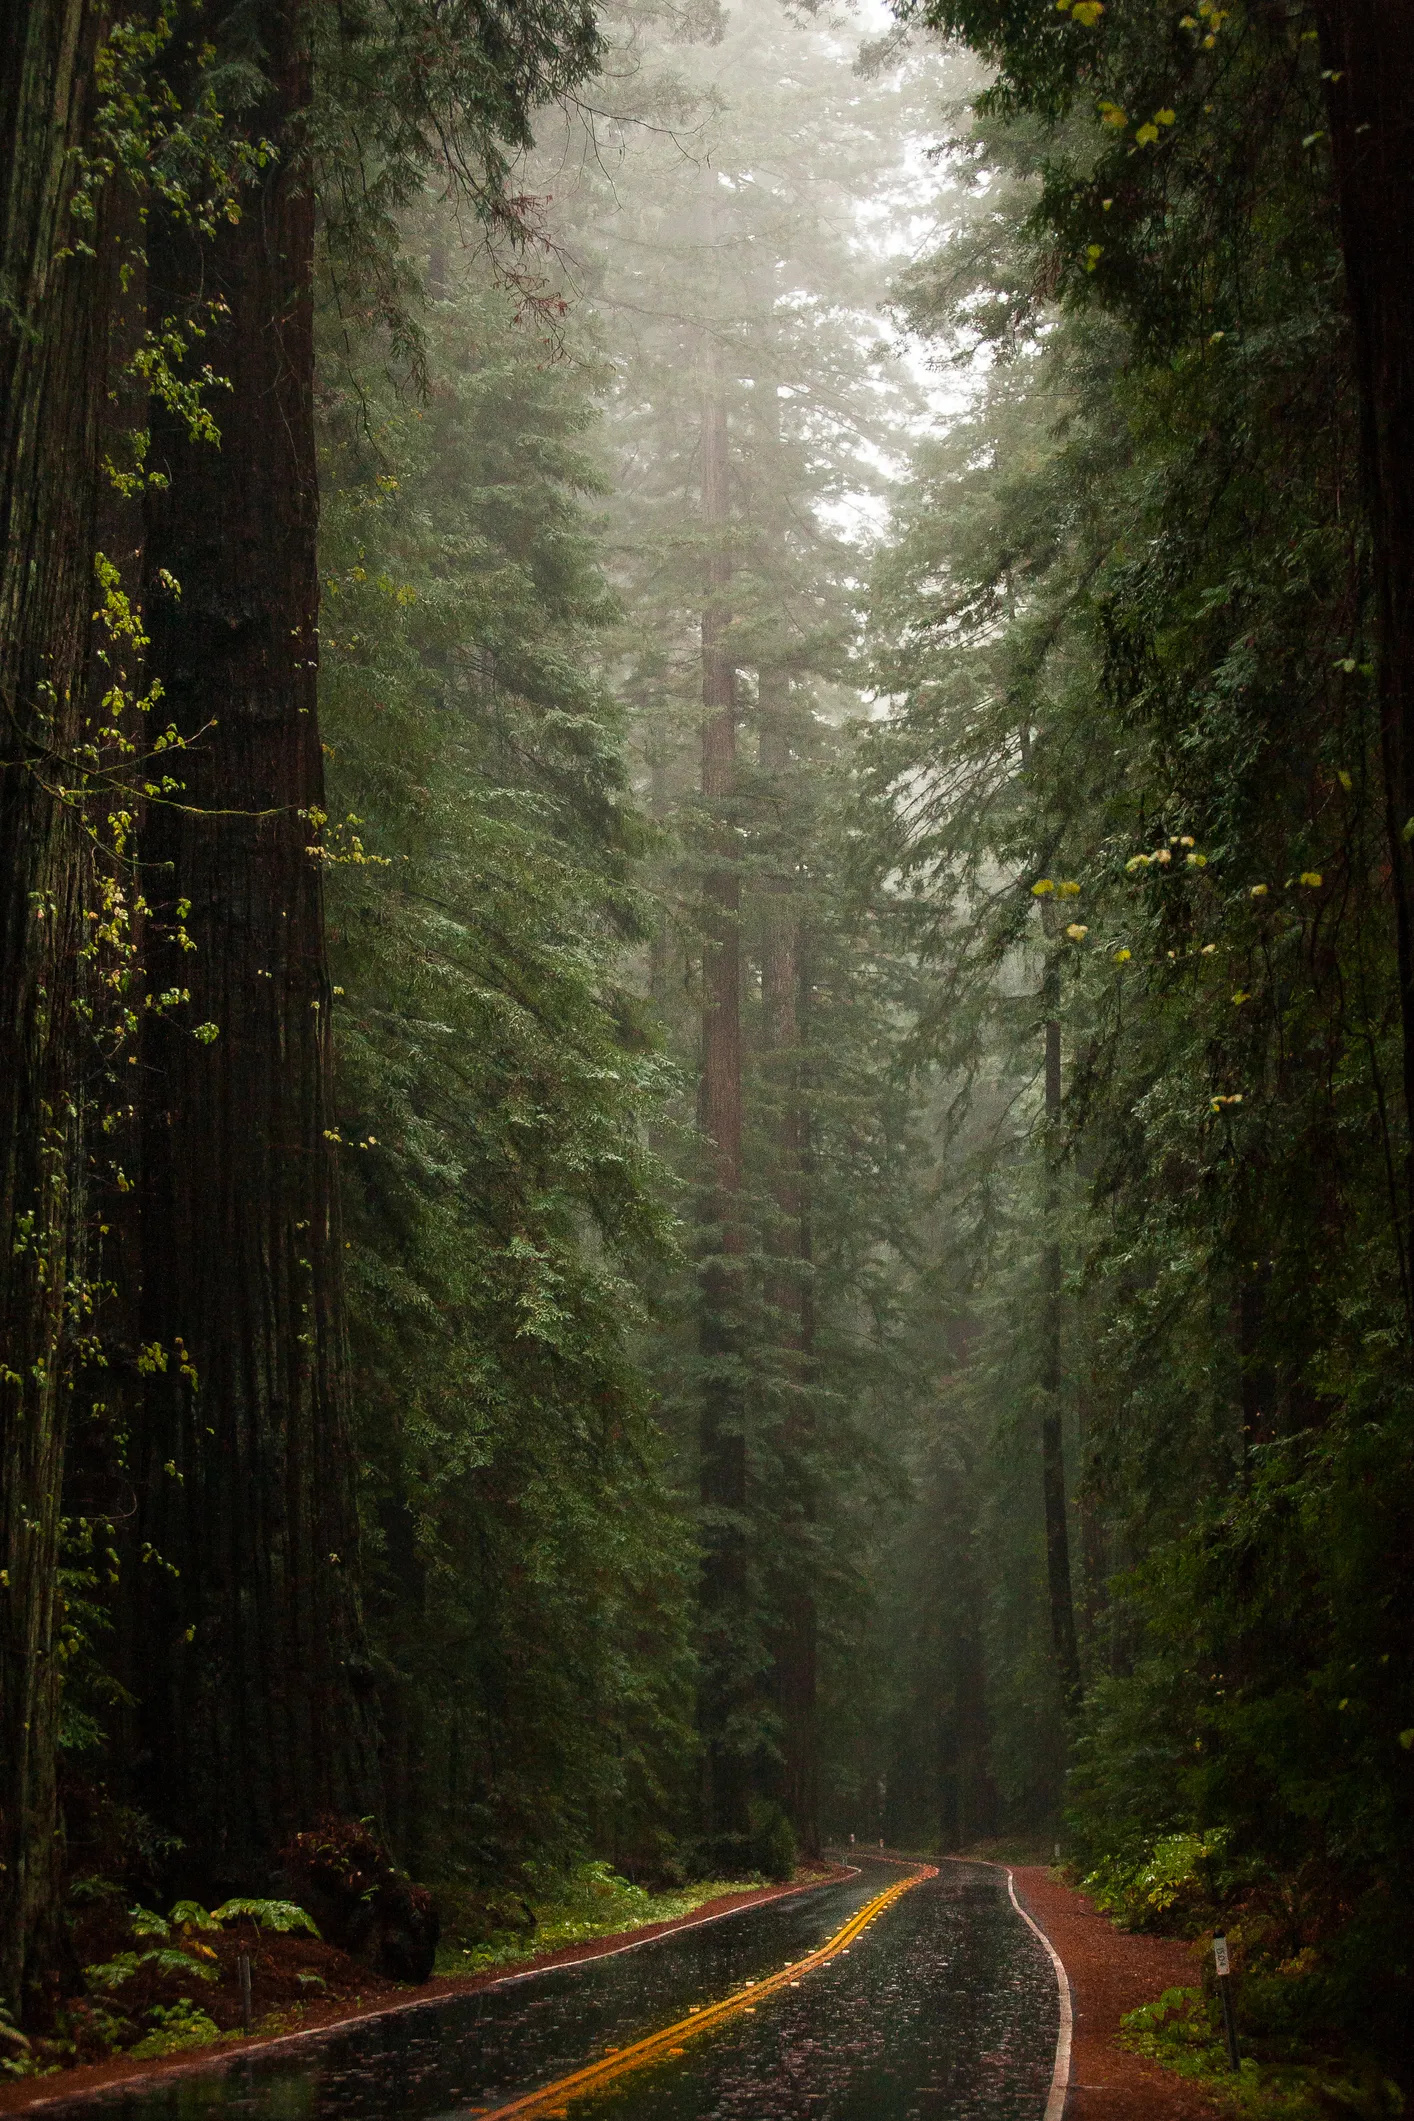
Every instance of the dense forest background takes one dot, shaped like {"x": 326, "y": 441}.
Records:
{"x": 708, "y": 958}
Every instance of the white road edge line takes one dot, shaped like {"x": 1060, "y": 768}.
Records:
{"x": 1060, "y": 2077}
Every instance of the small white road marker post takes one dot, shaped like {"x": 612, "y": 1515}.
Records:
{"x": 1223, "y": 1969}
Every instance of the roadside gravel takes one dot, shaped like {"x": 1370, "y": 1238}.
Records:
{"x": 1111, "y": 1972}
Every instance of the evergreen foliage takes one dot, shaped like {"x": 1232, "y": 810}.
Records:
{"x": 846, "y": 1264}
{"x": 1134, "y": 779}
{"x": 737, "y": 290}
{"x": 497, "y": 1075}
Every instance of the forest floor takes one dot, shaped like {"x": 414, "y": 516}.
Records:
{"x": 354, "y": 1992}
{"x": 1111, "y": 1972}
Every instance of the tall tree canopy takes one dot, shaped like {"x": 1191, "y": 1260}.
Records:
{"x": 706, "y": 987}
{"x": 167, "y": 215}
{"x": 1141, "y": 779}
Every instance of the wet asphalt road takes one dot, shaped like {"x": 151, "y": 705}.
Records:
{"x": 944, "y": 2009}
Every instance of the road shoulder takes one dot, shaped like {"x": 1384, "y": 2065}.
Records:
{"x": 1111, "y": 1972}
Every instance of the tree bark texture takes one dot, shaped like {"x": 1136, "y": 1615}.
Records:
{"x": 722, "y": 1440}
{"x": 1367, "y": 52}
{"x": 788, "y": 1299}
{"x": 249, "y": 1661}
{"x": 52, "y": 374}
{"x": 1058, "y": 1579}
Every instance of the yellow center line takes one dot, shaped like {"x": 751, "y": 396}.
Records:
{"x": 621, "y": 2060}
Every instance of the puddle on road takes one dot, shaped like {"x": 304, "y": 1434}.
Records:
{"x": 944, "y": 2010}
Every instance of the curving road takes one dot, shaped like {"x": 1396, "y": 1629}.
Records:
{"x": 943, "y": 2008}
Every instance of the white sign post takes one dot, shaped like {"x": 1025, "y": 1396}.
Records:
{"x": 1223, "y": 1969}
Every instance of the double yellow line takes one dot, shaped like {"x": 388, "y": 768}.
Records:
{"x": 670, "y": 2041}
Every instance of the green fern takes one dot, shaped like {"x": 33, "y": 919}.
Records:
{"x": 111, "y": 1973}
{"x": 280, "y": 1915}
{"x": 15, "y": 2057}
{"x": 191, "y": 1915}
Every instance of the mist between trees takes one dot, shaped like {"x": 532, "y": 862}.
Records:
{"x": 708, "y": 953}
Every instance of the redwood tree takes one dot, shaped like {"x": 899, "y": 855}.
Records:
{"x": 788, "y": 1294}
{"x": 1053, "y": 1483}
{"x": 1367, "y": 47}
{"x": 52, "y": 375}
{"x": 722, "y": 1440}
{"x": 246, "y": 1650}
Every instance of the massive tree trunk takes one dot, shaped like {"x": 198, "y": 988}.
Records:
{"x": 1058, "y": 1581}
{"x": 722, "y": 1440}
{"x": 52, "y": 376}
{"x": 249, "y": 1661}
{"x": 1367, "y": 50}
{"x": 788, "y": 1296}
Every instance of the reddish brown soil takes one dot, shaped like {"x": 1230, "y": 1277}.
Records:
{"x": 1111, "y": 1972}
{"x": 373, "y": 1997}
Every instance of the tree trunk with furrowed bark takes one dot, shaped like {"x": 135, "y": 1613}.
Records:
{"x": 246, "y": 1647}
{"x": 1053, "y": 1483}
{"x": 52, "y": 375}
{"x": 788, "y": 1293}
{"x": 1367, "y": 50}
{"x": 721, "y": 1436}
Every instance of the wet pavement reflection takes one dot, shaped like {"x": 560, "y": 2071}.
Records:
{"x": 944, "y": 2009}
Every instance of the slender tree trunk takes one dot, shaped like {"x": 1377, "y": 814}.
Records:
{"x": 787, "y": 1291}
{"x": 1058, "y": 1581}
{"x": 108, "y": 1386}
{"x": 52, "y": 376}
{"x": 722, "y": 1442}
{"x": 1367, "y": 49}
{"x": 256, "y": 1688}
{"x": 658, "y": 810}
{"x": 1258, "y": 1383}
{"x": 975, "y": 1810}
{"x": 1093, "y": 1569}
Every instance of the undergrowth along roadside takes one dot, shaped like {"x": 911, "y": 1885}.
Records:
{"x": 1182, "y": 2031}
{"x": 1189, "y": 1885}
{"x": 594, "y": 1901}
